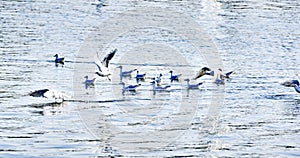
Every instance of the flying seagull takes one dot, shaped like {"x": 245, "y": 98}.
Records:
{"x": 103, "y": 70}
{"x": 49, "y": 94}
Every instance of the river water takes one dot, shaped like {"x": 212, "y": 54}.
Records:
{"x": 252, "y": 115}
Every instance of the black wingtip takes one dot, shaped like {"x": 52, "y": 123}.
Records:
{"x": 38, "y": 93}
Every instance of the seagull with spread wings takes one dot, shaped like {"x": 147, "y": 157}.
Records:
{"x": 49, "y": 94}
{"x": 103, "y": 70}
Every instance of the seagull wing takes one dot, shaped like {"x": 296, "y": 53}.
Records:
{"x": 297, "y": 88}
{"x": 108, "y": 57}
{"x": 39, "y": 93}
{"x": 98, "y": 67}
{"x": 229, "y": 73}
{"x": 200, "y": 74}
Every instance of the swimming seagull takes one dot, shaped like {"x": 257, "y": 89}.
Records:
{"x": 125, "y": 73}
{"x": 140, "y": 76}
{"x": 103, "y": 67}
{"x": 174, "y": 77}
{"x": 202, "y": 72}
{"x": 49, "y": 94}
{"x": 130, "y": 87}
{"x": 290, "y": 83}
{"x": 89, "y": 82}
{"x": 158, "y": 80}
{"x": 59, "y": 60}
{"x": 192, "y": 86}
{"x": 159, "y": 88}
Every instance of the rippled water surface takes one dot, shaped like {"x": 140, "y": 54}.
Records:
{"x": 252, "y": 115}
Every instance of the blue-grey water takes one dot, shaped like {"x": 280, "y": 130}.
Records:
{"x": 252, "y": 115}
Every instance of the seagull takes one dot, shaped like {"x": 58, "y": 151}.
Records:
{"x": 125, "y": 73}
{"x": 140, "y": 76}
{"x": 202, "y": 72}
{"x": 130, "y": 87}
{"x": 174, "y": 77}
{"x": 89, "y": 82}
{"x": 103, "y": 68}
{"x": 290, "y": 83}
{"x": 59, "y": 60}
{"x": 192, "y": 86}
{"x": 226, "y": 75}
{"x": 158, "y": 80}
{"x": 49, "y": 94}
{"x": 219, "y": 77}
{"x": 159, "y": 88}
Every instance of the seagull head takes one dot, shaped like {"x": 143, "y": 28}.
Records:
{"x": 187, "y": 79}
{"x": 205, "y": 69}
{"x": 171, "y": 71}
{"x": 119, "y": 66}
{"x": 86, "y": 77}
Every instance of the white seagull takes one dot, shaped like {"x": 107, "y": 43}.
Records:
{"x": 59, "y": 60}
{"x": 49, "y": 94}
{"x": 103, "y": 67}
{"x": 140, "y": 76}
{"x": 125, "y": 73}
{"x": 174, "y": 77}
{"x": 130, "y": 87}
{"x": 159, "y": 88}
{"x": 204, "y": 70}
{"x": 158, "y": 80}
{"x": 192, "y": 86}
{"x": 88, "y": 82}
{"x": 219, "y": 77}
